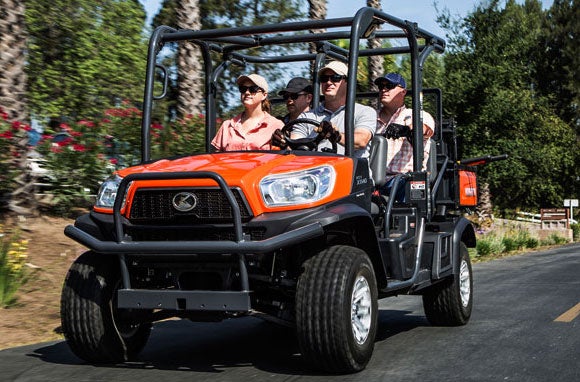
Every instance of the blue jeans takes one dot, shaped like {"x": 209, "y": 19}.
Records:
{"x": 400, "y": 195}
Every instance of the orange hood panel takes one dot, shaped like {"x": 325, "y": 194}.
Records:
{"x": 245, "y": 170}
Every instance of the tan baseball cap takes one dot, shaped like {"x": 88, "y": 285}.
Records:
{"x": 337, "y": 67}
{"x": 256, "y": 79}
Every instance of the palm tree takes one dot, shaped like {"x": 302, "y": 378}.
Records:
{"x": 12, "y": 59}
{"x": 13, "y": 100}
{"x": 316, "y": 11}
{"x": 189, "y": 61}
{"x": 375, "y": 62}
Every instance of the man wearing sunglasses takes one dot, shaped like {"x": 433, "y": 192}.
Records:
{"x": 298, "y": 97}
{"x": 395, "y": 122}
{"x": 333, "y": 87}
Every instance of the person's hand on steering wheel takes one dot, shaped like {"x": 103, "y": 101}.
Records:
{"x": 278, "y": 139}
{"x": 327, "y": 131}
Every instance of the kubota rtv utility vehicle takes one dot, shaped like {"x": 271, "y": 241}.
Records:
{"x": 299, "y": 235}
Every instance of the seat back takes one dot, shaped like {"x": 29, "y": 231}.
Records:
{"x": 378, "y": 159}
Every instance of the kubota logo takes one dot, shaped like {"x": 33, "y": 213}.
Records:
{"x": 184, "y": 201}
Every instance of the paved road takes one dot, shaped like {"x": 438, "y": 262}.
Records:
{"x": 525, "y": 327}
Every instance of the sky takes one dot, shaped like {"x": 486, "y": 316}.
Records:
{"x": 420, "y": 11}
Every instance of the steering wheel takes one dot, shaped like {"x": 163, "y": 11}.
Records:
{"x": 308, "y": 143}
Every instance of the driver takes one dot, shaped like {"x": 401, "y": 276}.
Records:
{"x": 333, "y": 88}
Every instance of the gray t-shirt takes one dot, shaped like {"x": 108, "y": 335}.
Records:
{"x": 365, "y": 117}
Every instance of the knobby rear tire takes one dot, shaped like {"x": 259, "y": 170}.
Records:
{"x": 95, "y": 330}
{"x": 450, "y": 302}
{"x": 329, "y": 317}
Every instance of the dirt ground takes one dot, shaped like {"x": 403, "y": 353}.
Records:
{"x": 35, "y": 317}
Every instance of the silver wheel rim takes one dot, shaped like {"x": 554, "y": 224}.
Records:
{"x": 464, "y": 283}
{"x": 361, "y": 310}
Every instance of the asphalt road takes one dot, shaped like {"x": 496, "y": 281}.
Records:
{"x": 525, "y": 327}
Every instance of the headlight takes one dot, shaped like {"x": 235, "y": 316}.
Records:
{"x": 108, "y": 192}
{"x": 298, "y": 187}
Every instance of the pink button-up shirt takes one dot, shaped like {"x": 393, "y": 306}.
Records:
{"x": 231, "y": 138}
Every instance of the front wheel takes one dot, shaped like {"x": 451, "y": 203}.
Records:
{"x": 337, "y": 309}
{"x": 449, "y": 303}
{"x": 94, "y": 328}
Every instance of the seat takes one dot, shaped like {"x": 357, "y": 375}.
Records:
{"x": 378, "y": 160}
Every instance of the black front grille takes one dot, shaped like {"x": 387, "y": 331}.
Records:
{"x": 155, "y": 205}
{"x": 192, "y": 234}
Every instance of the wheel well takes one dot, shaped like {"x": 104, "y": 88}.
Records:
{"x": 359, "y": 232}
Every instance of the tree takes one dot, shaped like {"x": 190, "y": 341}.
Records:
{"x": 316, "y": 11}
{"x": 189, "y": 61}
{"x": 84, "y": 56}
{"x": 375, "y": 62}
{"x": 12, "y": 59}
{"x": 559, "y": 60}
{"x": 231, "y": 13}
{"x": 490, "y": 73}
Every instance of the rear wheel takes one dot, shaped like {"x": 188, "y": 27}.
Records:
{"x": 94, "y": 328}
{"x": 337, "y": 309}
{"x": 449, "y": 303}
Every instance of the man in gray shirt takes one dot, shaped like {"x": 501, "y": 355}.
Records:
{"x": 333, "y": 88}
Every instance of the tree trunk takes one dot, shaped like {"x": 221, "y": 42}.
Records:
{"x": 375, "y": 62}
{"x": 13, "y": 37}
{"x": 12, "y": 59}
{"x": 189, "y": 62}
{"x": 316, "y": 11}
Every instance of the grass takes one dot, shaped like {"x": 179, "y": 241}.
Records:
{"x": 492, "y": 244}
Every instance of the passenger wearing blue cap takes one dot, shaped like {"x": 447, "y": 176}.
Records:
{"x": 395, "y": 122}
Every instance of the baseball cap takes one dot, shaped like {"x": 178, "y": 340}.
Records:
{"x": 256, "y": 79}
{"x": 337, "y": 67}
{"x": 394, "y": 78}
{"x": 296, "y": 85}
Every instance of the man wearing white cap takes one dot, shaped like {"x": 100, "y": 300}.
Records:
{"x": 333, "y": 87}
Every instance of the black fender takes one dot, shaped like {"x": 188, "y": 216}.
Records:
{"x": 356, "y": 218}
{"x": 462, "y": 232}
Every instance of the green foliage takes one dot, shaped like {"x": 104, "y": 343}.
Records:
{"x": 575, "y": 231}
{"x": 84, "y": 56}
{"x": 489, "y": 245}
{"x": 554, "y": 239}
{"x": 491, "y": 76}
{"x": 13, "y": 272}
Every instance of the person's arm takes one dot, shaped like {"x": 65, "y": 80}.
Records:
{"x": 361, "y": 138}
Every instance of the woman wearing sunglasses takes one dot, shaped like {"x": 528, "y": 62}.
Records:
{"x": 253, "y": 128}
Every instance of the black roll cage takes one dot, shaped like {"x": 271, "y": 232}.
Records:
{"x": 230, "y": 41}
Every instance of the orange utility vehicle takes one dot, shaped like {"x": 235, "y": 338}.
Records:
{"x": 298, "y": 235}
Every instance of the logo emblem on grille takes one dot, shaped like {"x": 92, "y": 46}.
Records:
{"x": 184, "y": 201}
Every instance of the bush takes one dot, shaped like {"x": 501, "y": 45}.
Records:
{"x": 13, "y": 254}
{"x": 575, "y": 231}
{"x": 489, "y": 245}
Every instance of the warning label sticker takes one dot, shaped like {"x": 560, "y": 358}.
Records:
{"x": 417, "y": 185}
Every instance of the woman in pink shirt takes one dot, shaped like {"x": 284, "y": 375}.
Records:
{"x": 253, "y": 128}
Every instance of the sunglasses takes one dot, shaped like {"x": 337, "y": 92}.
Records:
{"x": 387, "y": 85}
{"x": 334, "y": 78}
{"x": 292, "y": 96}
{"x": 252, "y": 89}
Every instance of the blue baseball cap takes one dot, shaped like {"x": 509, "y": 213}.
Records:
{"x": 394, "y": 78}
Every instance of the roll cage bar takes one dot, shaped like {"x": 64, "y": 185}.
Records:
{"x": 229, "y": 42}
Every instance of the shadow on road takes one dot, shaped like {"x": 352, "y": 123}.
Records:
{"x": 181, "y": 345}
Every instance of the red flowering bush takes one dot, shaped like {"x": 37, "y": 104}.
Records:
{"x": 182, "y": 137}
{"x": 80, "y": 155}
{"x": 10, "y": 134}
